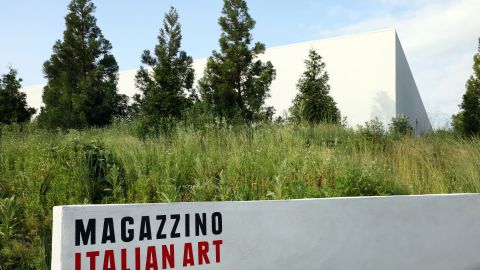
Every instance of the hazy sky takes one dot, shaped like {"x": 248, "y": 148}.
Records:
{"x": 439, "y": 37}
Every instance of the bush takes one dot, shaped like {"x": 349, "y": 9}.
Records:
{"x": 363, "y": 182}
{"x": 400, "y": 125}
{"x": 214, "y": 162}
{"x": 373, "y": 131}
{"x": 106, "y": 175}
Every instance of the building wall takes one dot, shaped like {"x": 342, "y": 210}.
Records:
{"x": 409, "y": 102}
{"x": 362, "y": 71}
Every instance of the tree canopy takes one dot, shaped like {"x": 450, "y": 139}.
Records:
{"x": 467, "y": 120}
{"x": 236, "y": 83}
{"x": 13, "y": 103}
{"x": 313, "y": 102}
{"x": 167, "y": 85}
{"x": 82, "y": 74}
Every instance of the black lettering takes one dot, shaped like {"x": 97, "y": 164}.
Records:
{"x": 126, "y": 235}
{"x": 87, "y": 234}
{"x": 174, "y": 233}
{"x": 108, "y": 231}
{"x": 200, "y": 224}
{"x": 187, "y": 225}
{"x": 217, "y": 223}
{"x": 162, "y": 219}
{"x": 145, "y": 229}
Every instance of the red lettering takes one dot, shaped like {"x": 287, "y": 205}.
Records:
{"x": 93, "y": 257}
{"x": 137, "y": 258}
{"x": 124, "y": 260}
{"x": 188, "y": 255}
{"x": 203, "y": 253}
{"x": 151, "y": 258}
{"x": 168, "y": 256}
{"x": 217, "y": 244}
{"x": 109, "y": 260}
{"x": 78, "y": 261}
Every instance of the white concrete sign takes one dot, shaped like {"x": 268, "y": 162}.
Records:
{"x": 402, "y": 232}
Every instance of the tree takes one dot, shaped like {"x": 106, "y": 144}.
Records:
{"x": 235, "y": 82}
{"x": 313, "y": 103}
{"x": 400, "y": 125}
{"x": 13, "y": 103}
{"x": 82, "y": 74}
{"x": 169, "y": 80}
{"x": 467, "y": 120}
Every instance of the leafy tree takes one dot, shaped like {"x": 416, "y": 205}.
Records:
{"x": 400, "y": 125}
{"x": 169, "y": 80}
{"x": 82, "y": 74}
{"x": 13, "y": 103}
{"x": 313, "y": 103}
{"x": 235, "y": 82}
{"x": 467, "y": 120}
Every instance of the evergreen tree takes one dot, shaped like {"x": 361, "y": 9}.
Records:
{"x": 82, "y": 74}
{"x": 313, "y": 103}
{"x": 235, "y": 82}
{"x": 169, "y": 80}
{"x": 468, "y": 120}
{"x": 13, "y": 103}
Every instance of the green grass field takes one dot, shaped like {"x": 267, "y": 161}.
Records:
{"x": 40, "y": 169}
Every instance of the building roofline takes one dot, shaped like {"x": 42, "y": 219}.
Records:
{"x": 334, "y": 38}
{"x": 274, "y": 47}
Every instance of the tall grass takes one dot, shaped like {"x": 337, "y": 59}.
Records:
{"x": 40, "y": 169}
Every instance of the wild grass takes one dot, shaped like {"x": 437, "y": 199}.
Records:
{"x": 40, "y": 169}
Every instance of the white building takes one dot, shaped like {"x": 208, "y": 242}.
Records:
{"x": 369, "y": 77}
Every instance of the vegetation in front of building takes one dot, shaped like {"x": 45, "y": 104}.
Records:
{"x": 219, "y": 162}
{"x": 313, "y": 103}
{"x": 81, "y": 75}
{"x": 166, "y": 86}
{"x": 236, "y": 83}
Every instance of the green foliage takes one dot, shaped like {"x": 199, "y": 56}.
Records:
{"x": 400, "y": 125}
{"x": 372, "y": 131}
{"x": 313, "y": 103}
{"x": 106, "y": 177}
{"x": 15, "y": 248}
{"x": 236, "y": 83}
{"x": 13, "y": 103}
{"x": 199, "y": 117}
{"x": 9, "y": 221}
{"x": 457, "y": 123}
{"x": 82, "y": 74}
{"x": 468, "y": 119}
{"x": 363, "y": 182}
{"x": 167, "y": 81}
{"x": 210, "y": 162}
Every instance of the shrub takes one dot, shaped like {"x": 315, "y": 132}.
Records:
{"x": 363, "y": 182}
{"x": 373, "y": 131}
{"x": 107, "y": 176}
{"x": 400, "y": 125}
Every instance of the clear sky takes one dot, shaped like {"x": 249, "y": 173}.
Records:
{"x": 439, "y": 37}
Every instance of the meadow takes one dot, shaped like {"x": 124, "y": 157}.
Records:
{"x": 40, "y": 169}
